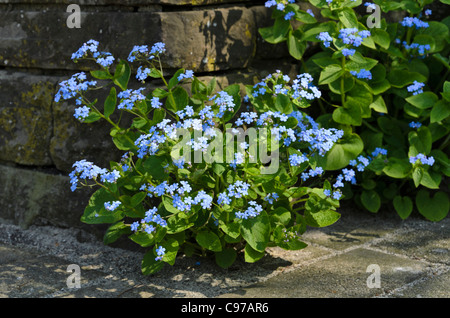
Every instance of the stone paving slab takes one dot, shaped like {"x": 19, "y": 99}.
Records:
{"x": 411, "y": 256}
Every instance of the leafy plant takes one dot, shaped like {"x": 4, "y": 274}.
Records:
{"x": 206, "y": 172}
{"x": 387, "y": 86}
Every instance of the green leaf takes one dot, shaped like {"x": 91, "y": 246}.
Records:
{"x": 420, "y": 141}
{"x": 154, "y": 166}
{"x": 256, "y": 231}
{"x": 423, "y": 101}
{"x": 401, "y": 78}
{"x": 115, "y": 231}
{"x": 137, "y": 198}
{"x": 280, "y": 215}
{"x": 379, "y": 105}
{"x": 348, "y": 18}
{"x": 397, "y": 168}
{"x": 92, "y": 117}
{"x": 178, "y": 223}
{"x": 144, "y": 239}
{"x": 226, "y": 257}
{"x": 95, "y": 212}
{"x": 177, "y": 100}
{"x": 403, "y": 206}
{"x": 380, "y": 37}
{"x": 371, "y": 200}
{"x": 149, "y": 265}
{"x": 251, "y": 255}
{"x": 296, "y": 46}
{"x": 174, "y": 80}
{"x": 321, "y": 218}
{"x": 346, "y": 149}
{"x": 330, "y": 74}
{"x": 431, "y": 179}
{"x": 171, "y": 246}
{"x": 101, "y": 74}
{"x": 432, "y": 208}
{"x": 350, "y": 114}
{"x": 209, "y": 240}
{"x": 231, "y": 229}
{"x": 440, "y": 111}
{"x": 122, "y": 74}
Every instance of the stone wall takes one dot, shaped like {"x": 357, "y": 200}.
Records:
{"x": 40, "y": 139}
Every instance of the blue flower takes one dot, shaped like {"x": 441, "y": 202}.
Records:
{"x": 325, "y": 38}
{"x": 415, "y": 88}
{"x": 296, "y": 160}
{"x": 253, "y": 210}
{"x": 352, "y": 36}
{"x": 112, "y": 205}
{"x": 134, "y": 226}
{"x": 415, "y": 125}
{"x": 378, "y": 151}
{"x": 160, "y": 252}
{"x": 413, "y": 21}
{"x": 422, "y": 158}
{"x": 81, "y": 113}
{"x": 362, "y": 74}
{"x": 289, "y": 15}
{"x": 348, "y": 52}
{"x": 130, "y": 97}
{"x": 271, "y": 197}
{"x": 155, "y": 102}
{"x": 186, "y": 75}
{"x": 73, "y": 86}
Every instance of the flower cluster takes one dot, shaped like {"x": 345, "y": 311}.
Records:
{"x": 415, "y": 49}
{"x": 104, "y": 59}
{"x": 112, "y": 205}
{"x": 81, "y": 113}
{"x": 415, "y": 124}
{"x": 413, "y": 21}
{"x": 188, "y": 74}
{"x": 422, "y": 159}
{"x": 73, "y": 86}
{"x": 87, "y": 170}
{"x": 238, "y": 189}
{"x": 254, "y": 209}
{"x": 142, "y": 52}
{"x": 148, "y": 223}
{"x": 271, "y": 197}
{"x": 129, "y": 97}
{"x": 325, "y": 38}
{"x": 362, "y": 74}
{"x": 351, "y": 36}
{"x": 160, "y": 252}
{"x": 224, "y": 101}
{"x": 416, "y": 88}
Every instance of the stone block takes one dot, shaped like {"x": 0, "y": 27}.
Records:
{"x": 25, "y": 118}
{"x": 31, "y": 197}
{"x": 206, "y": 40}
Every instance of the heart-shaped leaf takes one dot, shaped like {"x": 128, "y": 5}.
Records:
{"x": 403, "y": 206}
{"x": 435, "y": 208}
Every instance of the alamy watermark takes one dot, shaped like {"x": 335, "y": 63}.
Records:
{"x": 74, "y": 19}
{"x": 74, "y": 279}
{"x": 374, "y": 279}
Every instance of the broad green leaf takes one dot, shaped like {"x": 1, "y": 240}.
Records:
{"x": 401, "y": 78}
{"x": 397, "y": 168}
{"x": 149, "y": 265}
{"x": 432, "y": 208}
{"x": 348, "y": 18}
{"x": 178, "y": 223}
{"x": 379, "y": 105}
{"x": 440, "y": 111}
{"x": 403, "y": 206}
{"x": 122, "y": 74}
{"x": 321, "y": 218}
{"x": 115, "y": 231}
{"x": 420, "y": 141}
{"x": 177, "y": 100}
{"x": 256, "y": 231}
{"x": 95, "y": 212}
{"x": 423, "y": 100}
{"x": 380, "y": 37}
{"x": 251, "y": 255}
{"x": 154, "y": 166}
{"x": 346, "y": 149}
{"x": 330, "y": 74}
{"x": 226, "y": 257}
{"x": 371, "y": 200}
{"x": 209, "y": 240}
{"x": 296, "y": 46}
{"x": 101, "y": 74}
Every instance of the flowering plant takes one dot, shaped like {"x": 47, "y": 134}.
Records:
{"x": 203, "y": 171}
{"x": 385, "y": 83}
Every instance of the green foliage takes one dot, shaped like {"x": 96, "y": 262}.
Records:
{"x": 377, "y": 110}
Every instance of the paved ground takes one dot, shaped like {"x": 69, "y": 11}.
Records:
{"x": 412, "y": 259}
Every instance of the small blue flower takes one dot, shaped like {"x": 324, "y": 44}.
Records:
{"x": 112, "y": 205}
{"x": 325, "y": 38}
{"x": 416, "y": 88}
{"x": 186, "y": 75}
{"x": 415, "y": 124}
{"x": 348, "y": 52}
{"x": 289, "y": 15}
{"x": 160, "y": 251}
{"x": 362, "y": 74}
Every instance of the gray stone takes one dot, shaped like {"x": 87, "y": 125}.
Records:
{"x": 208, "y": 40}
{"x": 26, "y": 118}
{"x": 33, "y": 197}
{"x": 339, "y": 276}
